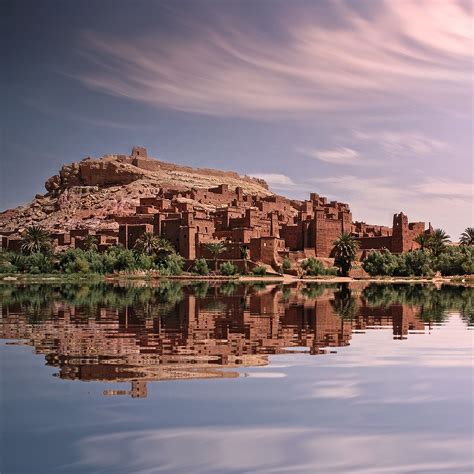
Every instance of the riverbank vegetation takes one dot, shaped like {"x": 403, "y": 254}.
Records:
{"x": 434, "y": 256}
{"x": 156, "y": 256}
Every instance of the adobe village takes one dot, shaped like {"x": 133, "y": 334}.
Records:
{"x": 210, "y": 221}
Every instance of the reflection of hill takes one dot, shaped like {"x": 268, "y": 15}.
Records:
{"x": 175, "y": 331}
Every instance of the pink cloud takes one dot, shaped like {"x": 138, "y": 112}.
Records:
{"x": 409, "y": 50}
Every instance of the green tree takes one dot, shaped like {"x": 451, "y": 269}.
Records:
{"x": 438, "y": 241}
{"x": 216, "y": 249}
{"x": 345, "y": 252}
{"x": 36, "y": 240}
{"x": 467, "y": 237}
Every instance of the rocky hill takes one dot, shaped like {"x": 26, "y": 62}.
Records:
{"x": 86, "y": 194}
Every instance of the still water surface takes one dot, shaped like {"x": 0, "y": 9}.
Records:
{"x": 234, "y": 378}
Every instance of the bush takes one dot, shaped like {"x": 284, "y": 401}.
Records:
{"x": 313, "y": 267}
{"x": 144, "y": 262}
{"x": 259, "y": 271}
{"x": 456, "y": 261}
{"x": 200, "y": 267}
{"x": 286, "y": 264}
{"x": 380, "y": 263}
{"x": 416, "y": 263}
{"x": 228, "y": 269}
{"x": 172, "y": 265}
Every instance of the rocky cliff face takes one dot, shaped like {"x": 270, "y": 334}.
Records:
{"x": 87, "y": 194}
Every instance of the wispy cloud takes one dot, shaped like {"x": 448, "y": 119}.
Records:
{"x": 336, "y": 156}
{"x": 401, "y": 143}
{"x": 445, "y": 187}
{"x": 408, "y": 51}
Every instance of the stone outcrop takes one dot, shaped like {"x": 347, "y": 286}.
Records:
{"x": 87, "y": 193}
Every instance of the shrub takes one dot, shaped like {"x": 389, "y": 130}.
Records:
{"x": 331, "y": 271}
{"x": 200, "y": 267}
{"x": 416, "y": 263}
{"x": 228, "y": 269}
{"x": 380, "y": 263}
{"x": 313, "y": 267}
{"x": 144, "y": 262}
{"x": 259, "y": 271}
{"x": 286, "y": 264}
{"x": 455, "y": 261}
{"x": 172, "y": 265}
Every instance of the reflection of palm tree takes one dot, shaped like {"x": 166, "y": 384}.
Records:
{"x": 344, "y": 303}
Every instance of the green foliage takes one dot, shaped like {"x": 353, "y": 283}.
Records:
{"x": 380, "y": 263}
{"x": 437, "y": 242}
{"x": 345, "y": 252}
{"x": 90, "y": 243}
{"x": 314, "y": 267}
{"x": 200, "y": 267}
{"x": 456, "y": 261}
{"x": 433, "y": 302}
{"x": 286, "y": 264}
{"x": 313, "y": 291}
{"x": 228, "y": 269}
{"x": 452, "y": 261}
{"x": 423, "y": 240}
{"x": 34, "y": 263}
{"x": 259, "y": 271}
{"x": 228, "y": 288}
{"x": 36, "y": 240}
{"x": 201, "y": 288}
{"x": 172, "y": 265}
{"x": 344, "y": 303}
{"x": 215, "y": 249}
{"x": 467, "y": 237}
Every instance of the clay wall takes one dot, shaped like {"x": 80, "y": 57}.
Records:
{"x": 326, "y": 232}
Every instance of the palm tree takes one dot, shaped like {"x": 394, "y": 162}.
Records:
{"x": 147, "y": 243}
{"x": 467, "y": 237}
{"x": 244, "y": 253}
{"x": 345, "y": 252}
{"x": 423, "y": 240}
{"x": 215, "y": 249}
{"x": 438, "y": 240}
{"x": 90, "y": 243}
{"x": 36, "y": 239}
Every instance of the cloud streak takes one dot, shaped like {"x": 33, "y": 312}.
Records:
{"x": 401, "y": 143}
{"x": 411, "y": 50}
{"x": 336, "y": 156}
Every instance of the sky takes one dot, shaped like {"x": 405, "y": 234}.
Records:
{"x": 364, "y": 101}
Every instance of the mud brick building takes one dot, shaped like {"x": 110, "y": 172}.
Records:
{"x": 261, "y": 226}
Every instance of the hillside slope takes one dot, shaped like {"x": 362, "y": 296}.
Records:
{"x": 88, "y": 193}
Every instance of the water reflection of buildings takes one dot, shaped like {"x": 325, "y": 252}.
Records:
{"x": 194, "y": 337}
